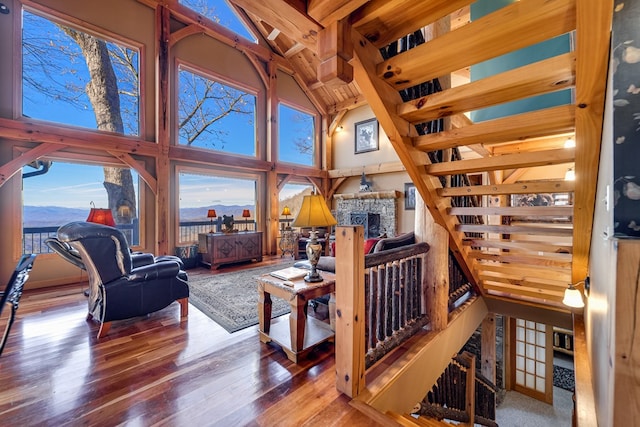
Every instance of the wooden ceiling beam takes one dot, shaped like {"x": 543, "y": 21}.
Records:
{"x": 368, "y": 170}
{"x": 286, "y": 18}
{"x": 508, "y": 161}
{"x": 383, "y": 21}
{"x": 550, "y": 121}
{"x": 326, "y": 12}
{"x": 521, "y": 188}
{"x": 513, "y": 27}
{"x": 545, "y": 76}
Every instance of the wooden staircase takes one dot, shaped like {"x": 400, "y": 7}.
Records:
{"x": 527, "y": 248}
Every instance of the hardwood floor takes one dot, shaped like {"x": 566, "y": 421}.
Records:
{"x": 156, "y": 370}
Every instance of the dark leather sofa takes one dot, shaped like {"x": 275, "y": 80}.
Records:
{"x": 121, "y": 284}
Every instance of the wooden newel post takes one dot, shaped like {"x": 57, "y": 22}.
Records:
{"x": 350, "y": 321}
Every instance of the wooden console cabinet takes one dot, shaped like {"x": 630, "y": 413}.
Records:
{"x": 221, "y": 248}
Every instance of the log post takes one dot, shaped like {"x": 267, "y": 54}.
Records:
{"x": 471, "y": 389}
{"x": 488, "y": 347}
{"x": 350, "y": 320}
{"x": 435, "y": 277}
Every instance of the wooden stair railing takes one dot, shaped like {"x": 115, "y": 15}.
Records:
{"x": 461, "y": 394}
{"x": 393, "y": 303}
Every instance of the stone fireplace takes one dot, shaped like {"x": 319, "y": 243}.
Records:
{"x": 377, "y": 211}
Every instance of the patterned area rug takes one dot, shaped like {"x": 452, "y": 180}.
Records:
{"x": 563, "y": 378}
{"x": 231, "y": 299}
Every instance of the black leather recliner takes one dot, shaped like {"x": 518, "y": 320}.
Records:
{"x": 120, "y": 288}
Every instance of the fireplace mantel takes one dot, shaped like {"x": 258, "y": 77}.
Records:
{"x": 392, "y": 194}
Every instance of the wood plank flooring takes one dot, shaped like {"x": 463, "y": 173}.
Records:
{"x": 157, "y": 370}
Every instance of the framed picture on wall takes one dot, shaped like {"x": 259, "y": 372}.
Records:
{"x": 366, "y": 136}
{"x": 409, "y": 196}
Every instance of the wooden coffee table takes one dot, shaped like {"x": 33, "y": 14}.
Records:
{"x": 302, "y": 333}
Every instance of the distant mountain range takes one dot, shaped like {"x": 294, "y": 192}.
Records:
{"x": 49, "y": 216}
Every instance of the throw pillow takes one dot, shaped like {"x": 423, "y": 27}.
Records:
{"x": 369, "y": 245}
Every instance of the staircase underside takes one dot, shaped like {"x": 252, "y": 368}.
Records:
{"x": 534, "y": 229}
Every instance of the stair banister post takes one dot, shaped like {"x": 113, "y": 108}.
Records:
{"x": 350, "y": 309}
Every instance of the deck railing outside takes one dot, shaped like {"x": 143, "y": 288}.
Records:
{"x": 33, "y": 237}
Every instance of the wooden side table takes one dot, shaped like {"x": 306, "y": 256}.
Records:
{"x": 302, "y": 333}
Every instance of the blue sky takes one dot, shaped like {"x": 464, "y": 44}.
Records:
{"x": 81, "y": 184}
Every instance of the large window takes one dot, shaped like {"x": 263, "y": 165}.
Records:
{"x": 291, "y": 196}
{"x": 55, "y": 193}
{"x": 201, "y": 192}
{"x": 296, "y": 136}
{"x": 215, "y": 116}
{"x": 57, "y": 85}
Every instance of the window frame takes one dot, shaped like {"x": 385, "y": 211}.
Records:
{"x": 317, "y": 140}
{"x": 181, "y": 64}
{"x": 88, "y": 28}
{"x": 258, "y": 179}
{"x": 79, "y": 159}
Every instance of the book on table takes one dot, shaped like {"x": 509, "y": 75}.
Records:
{"x": 290, "y": 273}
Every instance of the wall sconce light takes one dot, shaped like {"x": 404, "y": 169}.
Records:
{"x": 570, "y": 143}
{"x": 573, "y": 295}
{"x": 570, "y": 175}
{"x": 340, "y": 128}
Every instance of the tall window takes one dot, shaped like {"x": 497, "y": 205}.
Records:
{"x": 220, "y": 12}
{"x": 200, "y": 192}
{"x": 56, "y": 193}
{"x": 215, "y": 116}
{"x": 57, "y": 85}
{"x": 296, "y": 136}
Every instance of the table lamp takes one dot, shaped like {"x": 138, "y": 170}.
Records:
{"x": 246, "y": 214}
{"x": 285, "y": 213}
{"x": 314, "y": 212}
{"x": 101, "y": 216}
{"x": 211, "y": 213}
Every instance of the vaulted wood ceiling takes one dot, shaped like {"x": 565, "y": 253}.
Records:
{"x": 524, "y": 253}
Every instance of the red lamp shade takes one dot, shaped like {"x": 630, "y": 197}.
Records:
{"x": 211, "y": 213}
{"x": 246, "y": 213}
{"x": 101, "y": 216}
